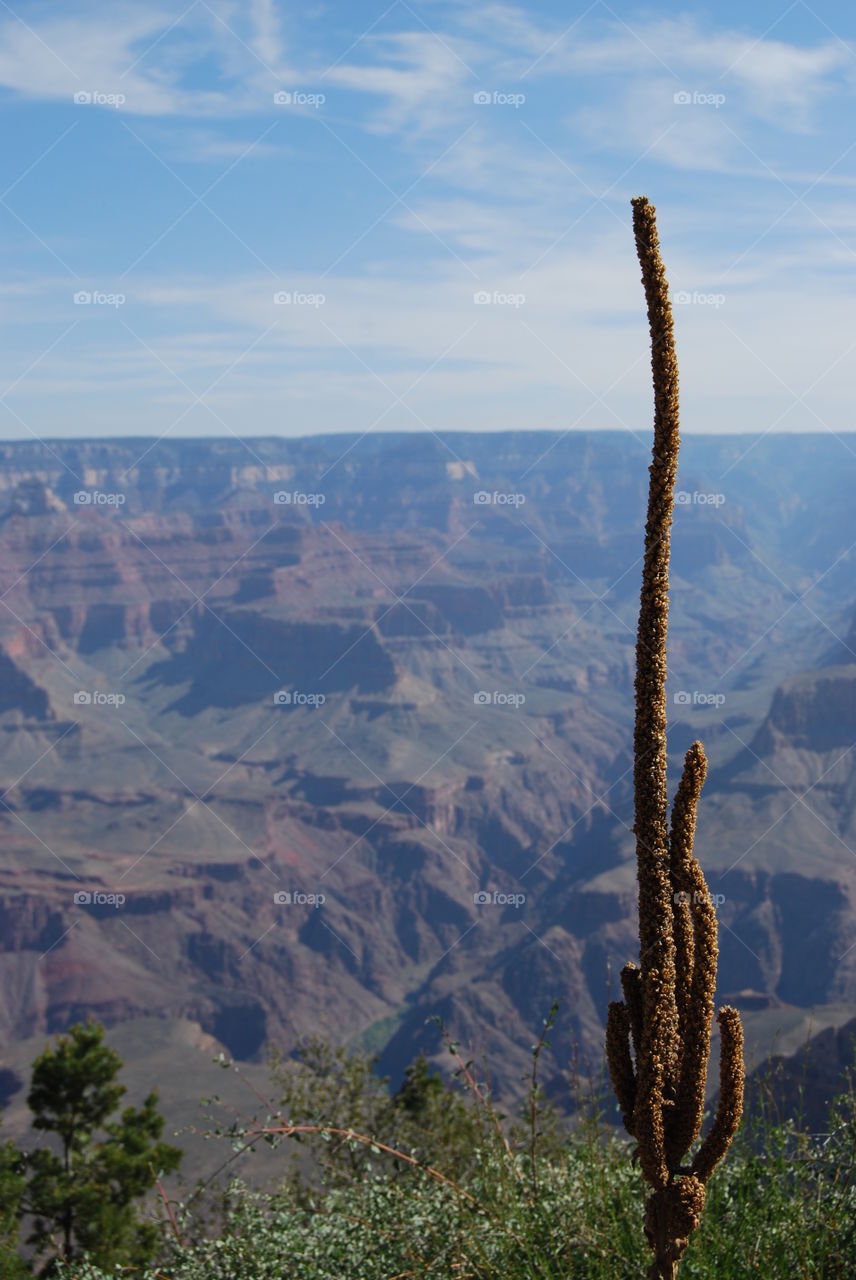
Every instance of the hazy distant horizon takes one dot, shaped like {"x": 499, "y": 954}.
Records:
{"x": 420, "y": 214}
{"x": 637, "y": 433}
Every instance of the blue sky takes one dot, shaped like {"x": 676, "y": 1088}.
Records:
{"x": 385, "y": 196}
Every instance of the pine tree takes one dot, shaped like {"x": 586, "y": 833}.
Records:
{"x": 12, "y": 1180}
{"x": 83, "y": 1196}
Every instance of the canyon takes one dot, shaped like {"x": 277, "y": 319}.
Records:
{"x": 336, "y": 733}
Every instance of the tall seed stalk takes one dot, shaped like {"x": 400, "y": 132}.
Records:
{"x": 667, "y": 1010}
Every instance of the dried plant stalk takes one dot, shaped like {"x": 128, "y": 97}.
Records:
{"x": 668, "y": 1003}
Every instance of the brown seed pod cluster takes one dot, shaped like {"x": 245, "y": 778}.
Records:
{"x": 658, "y": 1036}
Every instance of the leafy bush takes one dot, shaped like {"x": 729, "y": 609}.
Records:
{"x": 783, "y": 1205}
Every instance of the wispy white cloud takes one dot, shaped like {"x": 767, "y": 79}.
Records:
{"x": 776, "y": 75}
{"x": 419, "y": 81}
{"x": 500, "y": 199}
{"x": 780, "y": 82}
{"x": 267, "y": 36}
{"x": 578, "y": 332}
{"x": 201, "y": 60}
{"x": 202, "y": 145}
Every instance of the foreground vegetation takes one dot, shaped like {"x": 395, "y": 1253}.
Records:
{"x": 789, "y": 1214}
{"x": 435, "y": 1182}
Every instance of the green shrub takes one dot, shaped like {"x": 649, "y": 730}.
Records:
{"x": 784, "y": 1204}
